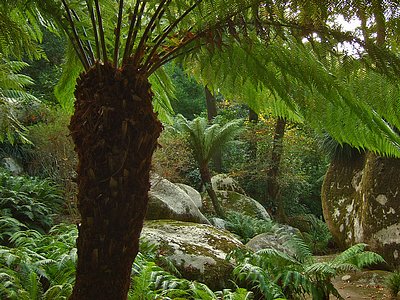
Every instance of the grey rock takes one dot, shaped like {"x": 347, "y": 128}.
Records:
{"x": 197, "y": 250}
{"x": 169, "y": 201}
{"x": 225, "y": 182}
{"x": 11, "y": 165}
{"x": 235, "y": 202}
{"x": 192, "y": 193}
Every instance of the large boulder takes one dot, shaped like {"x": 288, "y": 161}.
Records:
{"x": 169, "y": 201}
{"x": 361, "y": 203}
{"x": 276, "y": 239}
{"x": 197, "y": 250}
{"x": 235, "y": 202}
{"x": 12, "y": 166}
{"x": 225, "y": 182}
{"x": 192, "y": 193}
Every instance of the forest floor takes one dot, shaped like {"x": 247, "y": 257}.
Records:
{"x": 367, "y": 284}
{"x": 359, "y": 285}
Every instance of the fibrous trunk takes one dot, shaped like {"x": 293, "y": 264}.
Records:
{"x": 115, "y": 133}
{"x": 273, "y": 188}
{"x": 206, "y": 179}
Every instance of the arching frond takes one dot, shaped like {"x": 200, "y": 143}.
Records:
{"x": 285, "y": 78}
{"x": 206, "y": 139}
{"x": 12, "y": 97}
{"x": 20, "y": 32}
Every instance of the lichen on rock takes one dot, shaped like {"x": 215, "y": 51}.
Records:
{"x": 197, "y": 250}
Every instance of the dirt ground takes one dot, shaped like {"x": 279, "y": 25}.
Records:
{"x": 362, "y": 285}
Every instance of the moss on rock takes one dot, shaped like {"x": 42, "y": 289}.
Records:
{"x": 235, "y": 202}
{"x": 197, "y": 250}
{"x": 361, "y": 203}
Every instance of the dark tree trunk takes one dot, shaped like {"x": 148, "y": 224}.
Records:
{"x": 206, "y": 179}
{"x": 211, "y": 114}
{"x": 211, "y": 104}
{"x": 115, "y": 133}
{"x": 253, "y": 119}
{"x": 273, "y": 188}
{"x": 253, "y": 116}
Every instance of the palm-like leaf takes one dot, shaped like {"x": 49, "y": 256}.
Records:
{"x": 284, "y": 78}
{"x": 207, "y": 139}
{"x": 12, "y": 98}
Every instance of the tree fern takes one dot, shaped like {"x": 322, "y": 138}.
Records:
{"x": 287, "y": 80}
{"x": 12, "y": 98}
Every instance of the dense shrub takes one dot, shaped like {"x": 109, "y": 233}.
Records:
{"x": 53, "y": 156}
{"x": 393, "y": 284}
{"x": 42, "y": 266}
{"x": 273, "y": 274}
{"x": 302, "y": 167}
{"x": 174, "y": 160}
{"x": 31, "y": 201}
{"x": 247, "y": 227}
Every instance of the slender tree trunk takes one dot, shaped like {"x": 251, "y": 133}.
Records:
{"x": 212, "y": 112}
{"x": 273, "y": 188}
{"x": 206, "y": 179}
{"x": 211, "y": 104}
{"x": 115, "y": 133}
{"x": 253, "y": 118}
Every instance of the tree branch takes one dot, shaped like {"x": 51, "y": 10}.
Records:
{"x": 118, "y": 32}
{"x": 75, "y": 39}
{"x": 132, "y": 24}
{"x": 96, "y": 37}
{"x": 171, "y": 27}
{"x": 101, "y": 31}
{"x": 147, "y": 32}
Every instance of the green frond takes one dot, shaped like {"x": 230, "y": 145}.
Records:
{"x": 207, "y": 139}
{"x": 20, "y": 32}
{"x": 64, "y": 90}
{"x": 301, "y": 250}
{"x": 164, "y": 92}
{"x": 285, "y": 78}
{"x": 349, "y": 254}
{"x": 260, "y": 279}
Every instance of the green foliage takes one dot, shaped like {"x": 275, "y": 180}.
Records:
{"x": 302, "y": 167}
{"x": 392, "y": 283}
{"x": 190, "y": 96}
{"x": 46, "y": 72}
{"x": 173, "y": 159}
{"x": 294, "y": 273}
{"x": 205, "y": 139}
{"x": 21, "y": 31}
{"x": 149, "y": 282}
{"x": 286, "y": 78}
{"x": 13, "y": 99}
{"x": 39, "y": 266}
{"x": 247, "y": 227}
{"x": 318, "y": 235}
{"x": 31, "y": 201}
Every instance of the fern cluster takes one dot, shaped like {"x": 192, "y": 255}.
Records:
{"x": 271, "y": 273}
{"x": 39, "y": 266}
{"x": 27, "y": 202}
{"x": 247, "y": 227}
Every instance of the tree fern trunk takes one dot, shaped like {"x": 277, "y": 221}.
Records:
{"x": 115, "y": 133}
{"x": 212, "y": 112}
{"x": 273, "y": 187}
{"x": 206, "y": 179}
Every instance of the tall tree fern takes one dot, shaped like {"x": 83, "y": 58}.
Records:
{"x": 206, "y": 140}
{"x": 119, "y": 45}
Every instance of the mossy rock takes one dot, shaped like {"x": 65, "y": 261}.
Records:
{"x": 361, "y": 203}
{"x": 168, "y": 201}
{"x": 224, "y": 182}
{"x": 197, "y": 250}
{"x": 235, "y": 202}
